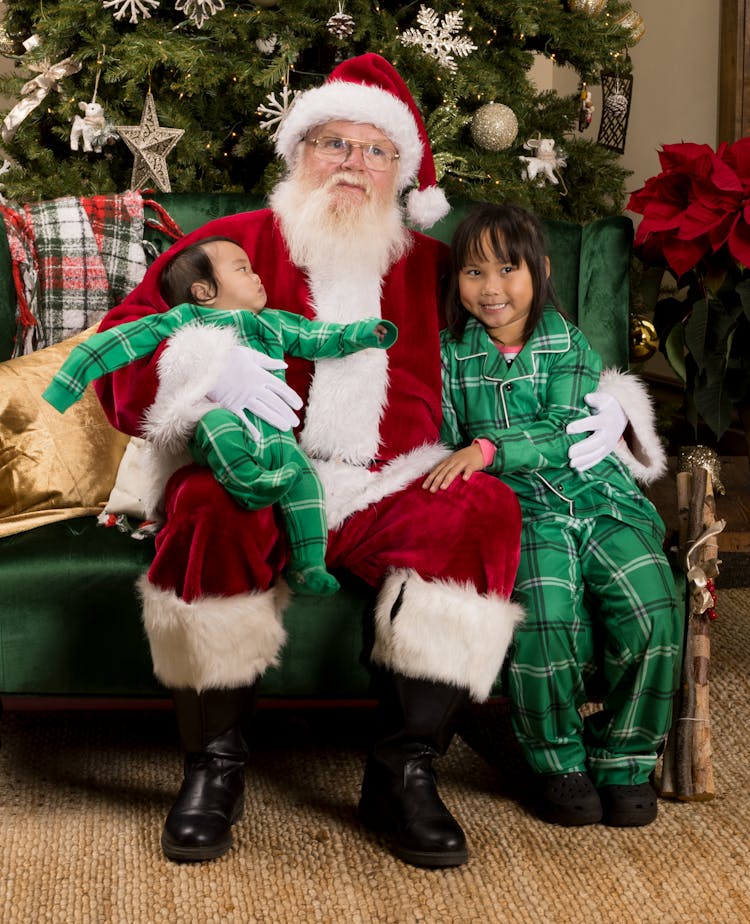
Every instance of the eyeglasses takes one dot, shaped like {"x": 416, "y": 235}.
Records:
{"x": 334, "y": 148}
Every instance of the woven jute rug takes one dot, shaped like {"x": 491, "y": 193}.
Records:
{"x": 83, "y": 796}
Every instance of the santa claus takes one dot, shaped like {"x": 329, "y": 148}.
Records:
{"x": 332, "y": 246}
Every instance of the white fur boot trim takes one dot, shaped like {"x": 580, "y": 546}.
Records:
{"x": 443, "y": 631}
{"x": 213, "y": 642}
{"x": 641, "y": 449}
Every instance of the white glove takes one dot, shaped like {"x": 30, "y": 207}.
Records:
{"x": 606, "y": 425}
{"x": 246, "y": 384}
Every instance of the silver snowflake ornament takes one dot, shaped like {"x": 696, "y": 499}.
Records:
{"x": 440, "y": 39}
{"x": 277, "y": 109}
{"x": 138, "y": 9}
{"x": 198, "y": 11}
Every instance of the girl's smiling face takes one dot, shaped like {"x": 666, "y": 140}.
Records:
{"x": 497, "y": 293}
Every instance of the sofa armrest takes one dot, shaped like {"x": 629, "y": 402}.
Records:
{"x": 604, "y": 288}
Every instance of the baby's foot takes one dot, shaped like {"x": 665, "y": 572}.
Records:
{"x": 312, "y": 579}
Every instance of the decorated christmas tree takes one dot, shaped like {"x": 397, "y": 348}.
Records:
{"x": 190, "y": 92}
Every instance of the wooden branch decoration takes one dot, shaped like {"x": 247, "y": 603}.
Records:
{"x": 687, "y": 771}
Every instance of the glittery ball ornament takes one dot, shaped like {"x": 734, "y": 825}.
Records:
{"x": 634, "y": 24}
{"x": 592, "y": 7}
{"x": 644, "y": 341}
{"x": 494, "y": 127}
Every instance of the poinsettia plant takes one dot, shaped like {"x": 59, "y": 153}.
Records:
{"x": 696, "y": 225}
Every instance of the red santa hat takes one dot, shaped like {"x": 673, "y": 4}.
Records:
{"x": 369, "y": 89}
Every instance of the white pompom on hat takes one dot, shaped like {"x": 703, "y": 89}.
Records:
{"x": 369, "y": 89}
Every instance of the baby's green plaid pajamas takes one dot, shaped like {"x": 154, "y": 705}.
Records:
{"x": 256, "y": 473}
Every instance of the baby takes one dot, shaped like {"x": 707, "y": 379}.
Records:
{"x": 212, "y": 282}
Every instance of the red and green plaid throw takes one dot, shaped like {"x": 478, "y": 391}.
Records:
{"x": 73, "y": 259}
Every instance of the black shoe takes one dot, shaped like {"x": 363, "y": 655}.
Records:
{"x": 210, "y": 800}
{"x": 408, "y": 810}
{"x": 399, "y": 791}
{"x": 569, "y": 799}
{"x": 629, "y": 806}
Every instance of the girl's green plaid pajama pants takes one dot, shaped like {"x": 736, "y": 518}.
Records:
{"x": 600, "y": 602}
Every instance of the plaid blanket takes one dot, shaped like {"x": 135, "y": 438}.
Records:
{"x": 73, "y": 260}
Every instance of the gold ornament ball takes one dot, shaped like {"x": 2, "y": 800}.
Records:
{"x": 592, "y": 7}
{"x": 644, "y": 341}
{"x": 634, "y": 24}
{"x": 494, "y": 127}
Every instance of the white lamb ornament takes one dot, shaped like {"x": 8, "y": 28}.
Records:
{"x": 90, "y": 127}
{"x": 547, "y": 159}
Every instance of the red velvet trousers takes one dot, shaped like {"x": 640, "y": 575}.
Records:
{"x": 211, "y": 547}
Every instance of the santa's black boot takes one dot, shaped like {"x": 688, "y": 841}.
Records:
{"x": 211, "y": 798}
{"x": 399, "y": 790}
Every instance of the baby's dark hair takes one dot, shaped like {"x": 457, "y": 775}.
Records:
{"x": 514, "y": 235}
{"x": 190, "y": 265}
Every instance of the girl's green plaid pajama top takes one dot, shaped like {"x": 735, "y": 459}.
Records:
{"x": 254, "y": 472}
{"x": 593, "y": 578}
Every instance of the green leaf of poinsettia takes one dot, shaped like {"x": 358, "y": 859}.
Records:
{"x": 696, "y": 330}
{"x": 713, "y": 404}
{"x": 743, "y": 290}
{"x": 674, "y": 350}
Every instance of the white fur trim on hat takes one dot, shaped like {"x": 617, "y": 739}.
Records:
{"x": 443, "y": 631}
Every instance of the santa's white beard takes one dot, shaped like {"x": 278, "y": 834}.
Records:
{"x": 326, "y": 232}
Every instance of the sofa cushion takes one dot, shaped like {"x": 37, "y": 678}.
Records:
{"x": 52, "y": 466}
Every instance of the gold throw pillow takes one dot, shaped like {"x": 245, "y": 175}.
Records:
{"x": 53, "y": 466}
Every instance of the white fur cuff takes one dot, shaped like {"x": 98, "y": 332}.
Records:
{"x": 213, "y": 642}
{"x": 641, "y": 450}
{"x": 443, "y": 631}
{"x": 189, "y": 367}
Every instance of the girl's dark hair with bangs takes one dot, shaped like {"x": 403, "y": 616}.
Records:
{"x": 514, "y": 235}
{"x": 190, "y": 265}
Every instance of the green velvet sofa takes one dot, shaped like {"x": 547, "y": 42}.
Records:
{"x": 69, "y": 617}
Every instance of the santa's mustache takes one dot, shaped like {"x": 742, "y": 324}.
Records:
{"x": 350, "y": 179}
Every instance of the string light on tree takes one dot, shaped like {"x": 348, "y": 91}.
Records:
{"x": 494, "y": 127}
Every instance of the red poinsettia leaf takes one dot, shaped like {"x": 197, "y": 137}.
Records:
{"x": 706, "y": 218}
{"x": 673, "y": 156}
{"x": 737, "y": 155}
{"x": 682, "y": 256}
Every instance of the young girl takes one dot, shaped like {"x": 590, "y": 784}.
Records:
{"x": 212, "y": 282}
{"x": 593, "y": 578}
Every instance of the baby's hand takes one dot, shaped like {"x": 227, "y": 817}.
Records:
{"x": 464, "y": 462}
{"x": 380, "y": 332}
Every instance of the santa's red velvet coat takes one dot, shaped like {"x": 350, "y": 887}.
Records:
{"x": 212, "y": 601}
